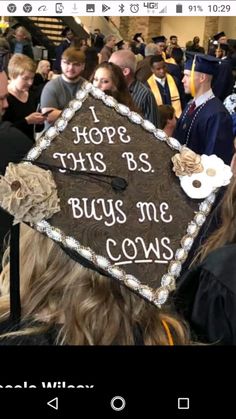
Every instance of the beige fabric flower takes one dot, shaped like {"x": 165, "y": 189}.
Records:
{"x": 186, "y": 162}
{"x": 29, "y": 193}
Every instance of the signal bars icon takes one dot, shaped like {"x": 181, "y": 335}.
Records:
{"x": 164, "y": 10}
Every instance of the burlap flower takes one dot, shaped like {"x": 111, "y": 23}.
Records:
{"x": 28, "y": 193}
{"x": 186, "y": 162}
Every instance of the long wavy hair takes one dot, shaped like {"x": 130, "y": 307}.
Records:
{"x": 226, "y": 233}
{"x": 86, "y": 307}
{"x": 120, "y": 90}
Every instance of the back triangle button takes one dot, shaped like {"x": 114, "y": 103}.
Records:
{"x": 53, "y": 403}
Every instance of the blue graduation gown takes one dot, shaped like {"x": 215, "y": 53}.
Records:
{"x": 223, "y": 82}
{"x": 207, "y": 130}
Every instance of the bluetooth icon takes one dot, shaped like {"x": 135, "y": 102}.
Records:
{"x": 121, "y": 8}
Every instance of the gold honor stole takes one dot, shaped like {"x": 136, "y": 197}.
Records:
{"x": 170, "y": 61}
{"x": 174, "y": 93}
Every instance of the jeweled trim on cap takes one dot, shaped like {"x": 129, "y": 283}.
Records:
{"x": 156, "y": 296}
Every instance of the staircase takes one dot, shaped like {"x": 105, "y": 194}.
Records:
{"x": 46, "y": 31}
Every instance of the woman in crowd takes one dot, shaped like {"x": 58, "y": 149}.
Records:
{"x": 21, "y": 43}
{"x": 109, "y": 78}
{"x": 64, "y": 303}
{"x": 22, "y": 103}
{"x": 42, "y": 76}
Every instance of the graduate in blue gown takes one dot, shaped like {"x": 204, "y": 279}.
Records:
{"x": 205, "y": 125}
{"x": 223, "y": 82}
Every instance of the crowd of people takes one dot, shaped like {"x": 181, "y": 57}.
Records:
{"x": 181, "y": 92}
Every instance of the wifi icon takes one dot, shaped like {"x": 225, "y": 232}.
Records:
{"x": 105, "y": 8}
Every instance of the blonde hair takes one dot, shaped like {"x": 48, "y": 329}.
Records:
{"x": 24, "y": 32}
{"x": 89, "y": 308}
{"x": 41, "y": 65}
{"x": 18, "y": 64}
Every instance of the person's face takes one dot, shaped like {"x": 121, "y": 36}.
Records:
{"x": 140, "y": 39}
{"x": 102, "y": 79}
{"x": 70, "y": 69}
{"x": 46, "y": 67}
{"x": 112, "y": 42}
{"x": 187, "y": 81}
{"x": 20, "y": 35}
{"x": 160, "y": 47}
{"x": 174, "y": 40}
{"x": 223, "y": 40}
{"x": 159, "y": 69}
{"x": 24, "y": 81}
{"x": 219, "y": 53}
{"x": 69, "y": 35}
{"x": 3, "y": 93}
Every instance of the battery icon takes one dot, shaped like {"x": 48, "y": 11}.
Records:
{"x": 179, "y": 8}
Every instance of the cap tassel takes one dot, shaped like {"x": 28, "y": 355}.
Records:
{"x": 116, "y": 182}
{"x": 192, "y": 86}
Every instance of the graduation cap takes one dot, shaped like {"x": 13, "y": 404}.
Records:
{"x": 157, "y": 39}
{"x": 202, "y": 63}
{"x": 136, "y": 36}
{"x": 119, "y": 44}
{"x": 218, "y": 36}
{"x": 106, "y": 193}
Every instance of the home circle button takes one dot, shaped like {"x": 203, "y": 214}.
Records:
{"x": 118, "y": 403}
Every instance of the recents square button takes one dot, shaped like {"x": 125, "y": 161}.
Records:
{"x": 183, "y": 403}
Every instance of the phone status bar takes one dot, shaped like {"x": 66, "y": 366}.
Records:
{"x": 118, "y": 8}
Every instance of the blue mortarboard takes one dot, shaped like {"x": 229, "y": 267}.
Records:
{"x": 217, "y": 36}
{"x": 203, "y": 63}
{"x": 157, "y": 39}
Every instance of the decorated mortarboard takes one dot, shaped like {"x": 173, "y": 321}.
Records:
{"x": 157, "y": 39}
{"x": 115, "y": 192}
{"x": 219, "y": 35}
{"x": 201, "y": 62}
{"x": 136, "y": 36}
